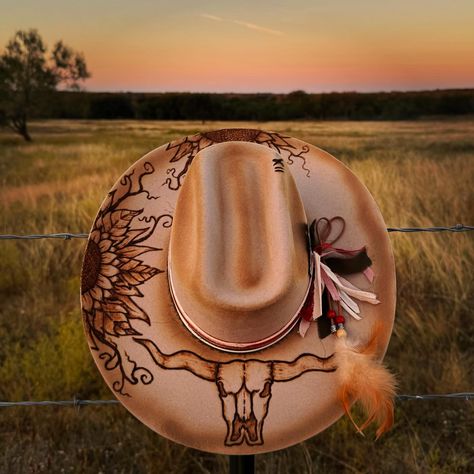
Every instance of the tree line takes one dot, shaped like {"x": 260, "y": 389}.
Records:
{"x": 259, "y": 106}
{"x": 35, "y": 83}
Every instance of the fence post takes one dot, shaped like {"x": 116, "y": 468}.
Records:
{"x": 242, "y": 464}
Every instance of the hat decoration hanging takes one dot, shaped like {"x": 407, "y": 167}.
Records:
{"x": 376, "y": 389}
{"x": 202, "y": 280}
{"x": 329, "y": 263}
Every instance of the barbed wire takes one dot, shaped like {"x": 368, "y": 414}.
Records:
{"x": 436, "y": 396}
{"x": 453, "y": 228}
{"x": 83, "y": 235}
{"x": 58, "y": 235}
{"x": 77, "y": 402}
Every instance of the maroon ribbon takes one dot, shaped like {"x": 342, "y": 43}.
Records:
{"x": 339, "y": 260}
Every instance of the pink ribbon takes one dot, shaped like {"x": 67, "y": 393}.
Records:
{"x": 343, "y": 291}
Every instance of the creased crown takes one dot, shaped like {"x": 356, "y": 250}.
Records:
{"x": 238, "y": 261}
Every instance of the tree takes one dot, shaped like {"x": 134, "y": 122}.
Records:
{"x": 28, "y": 74}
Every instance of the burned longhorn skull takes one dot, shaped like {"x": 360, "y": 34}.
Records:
{"x": 245, "y": 391}
{"x": 244, "y": 386}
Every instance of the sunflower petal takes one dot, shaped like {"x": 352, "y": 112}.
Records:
{"x": 109, "y": 270}
{"x": 87, "y": 301}
{"x": 135, "y": 250}
{"x": 104, "y": 282}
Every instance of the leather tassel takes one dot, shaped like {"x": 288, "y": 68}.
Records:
{"x": 312, "y": 308}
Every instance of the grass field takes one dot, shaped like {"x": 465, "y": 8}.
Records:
{"x": 420, "y": 173}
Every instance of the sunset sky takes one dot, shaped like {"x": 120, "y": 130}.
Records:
{"x": 259, "y": 46}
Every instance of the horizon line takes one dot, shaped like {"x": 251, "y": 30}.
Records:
{"x": 346, "y": 91}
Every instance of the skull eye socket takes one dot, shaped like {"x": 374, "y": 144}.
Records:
{"x": 220, "y": 387}
{"x": 266, "y": 390}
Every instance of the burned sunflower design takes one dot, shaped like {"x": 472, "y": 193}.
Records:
{"x": 112, "y": 274}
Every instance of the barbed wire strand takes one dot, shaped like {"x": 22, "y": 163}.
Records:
{"x": 83, "y": 235}
{"x": 453, "y": 228}
{"x": 58, "y": 235}
{"x": 436, "y": 396}
{"x": 78, "y": 402}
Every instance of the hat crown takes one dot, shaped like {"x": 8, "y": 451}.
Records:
{"x": 238, "y": 257}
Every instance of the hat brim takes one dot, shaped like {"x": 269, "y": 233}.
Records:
{"x": 165, "y": 376}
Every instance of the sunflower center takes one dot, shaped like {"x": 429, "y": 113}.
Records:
{"x": 232, "y": 134}
{"x": 91, "y": 267}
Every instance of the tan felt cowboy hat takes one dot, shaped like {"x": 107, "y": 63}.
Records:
{"x": 238, "y": 292}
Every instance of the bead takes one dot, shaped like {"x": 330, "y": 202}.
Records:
{"x": 341, "y": 333}
{"x": 340, "y": 326}
{"x": 333, "y": 328}
{"x": 339, "y": 319}
{"x": 331, "y": 314}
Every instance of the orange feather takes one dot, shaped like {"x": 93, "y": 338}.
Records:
{"x": 364, "y": 379}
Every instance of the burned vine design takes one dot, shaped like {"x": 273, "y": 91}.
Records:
{"x": 112, "y": 274}
{"x": 185, "y": 149}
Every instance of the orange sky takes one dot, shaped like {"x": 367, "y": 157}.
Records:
{"x": 266, "y": 46}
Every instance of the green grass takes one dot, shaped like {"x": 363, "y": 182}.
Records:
{"x": 420, "y": 173}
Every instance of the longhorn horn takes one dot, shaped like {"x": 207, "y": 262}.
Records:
{"x": 284, "y": 371}
{"x": 185, "y": 360}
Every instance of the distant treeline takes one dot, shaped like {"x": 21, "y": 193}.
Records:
{"x": 262, "y": 107}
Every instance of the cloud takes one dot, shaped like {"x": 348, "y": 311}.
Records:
{"x": 245, "y": 24}
{"x": 211, "y": 17}
{"x": 253, "y": 26}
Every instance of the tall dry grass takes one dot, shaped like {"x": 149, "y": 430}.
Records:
{"x": 420, "y": 173}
